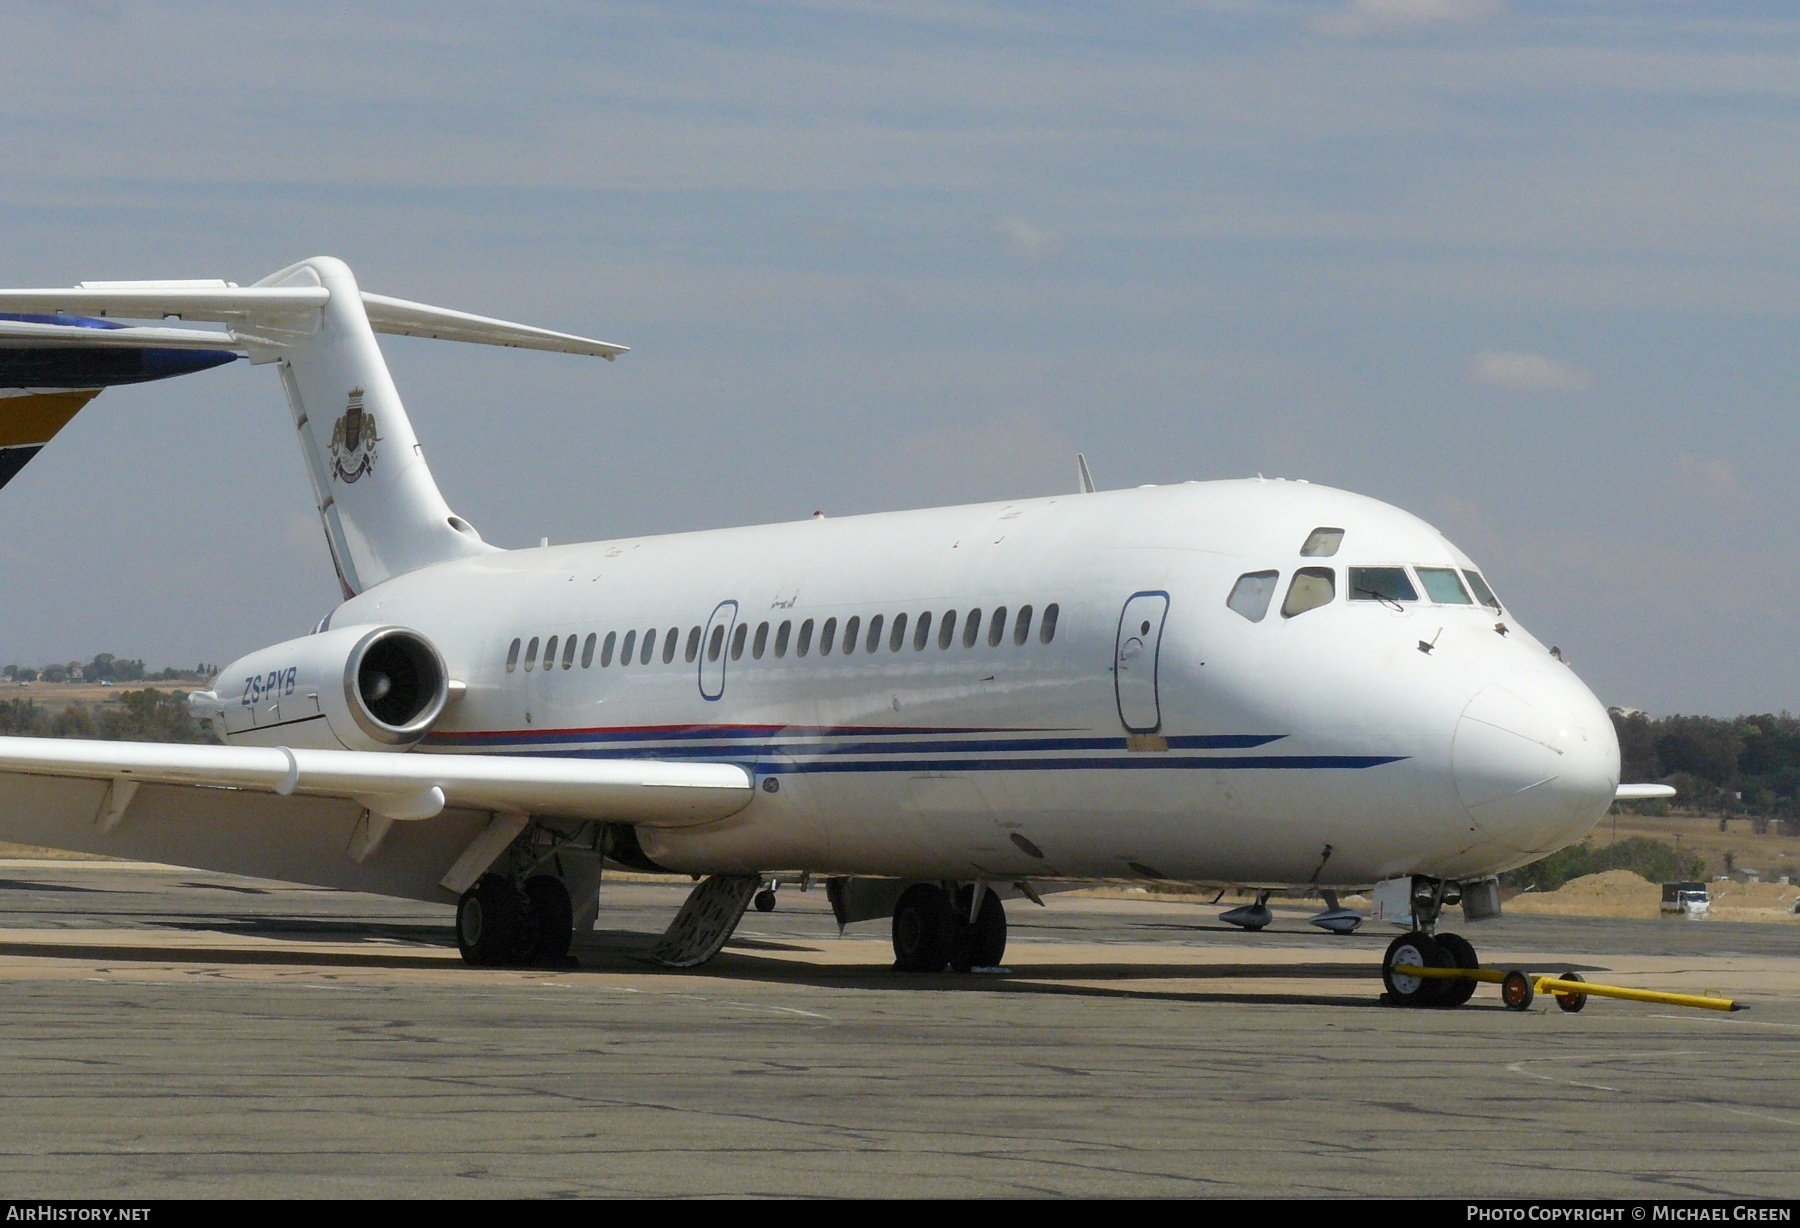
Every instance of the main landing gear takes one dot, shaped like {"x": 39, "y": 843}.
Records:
{"x": 500, "y": 925}
{"x": 1426, "y": 948}
{"x": 938, "y": 926}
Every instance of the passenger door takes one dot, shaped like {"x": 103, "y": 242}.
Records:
{"x": 715, "y": 647}
{"x": 1135, "y": 652}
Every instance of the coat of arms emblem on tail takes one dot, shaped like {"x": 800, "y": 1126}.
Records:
{"x": 353, "y": 440}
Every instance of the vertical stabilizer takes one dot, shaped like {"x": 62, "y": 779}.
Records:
{"x": 382, "y": 512}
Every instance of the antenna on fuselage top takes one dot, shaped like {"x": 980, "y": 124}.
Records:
{"x": 1083, "y": 475}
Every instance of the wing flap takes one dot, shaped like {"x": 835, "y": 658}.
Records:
{"x": 402, "y": 786}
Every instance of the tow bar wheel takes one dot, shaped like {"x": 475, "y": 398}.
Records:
{"x": 1516, "y": 991}
{"x": 1570, "y": 1000}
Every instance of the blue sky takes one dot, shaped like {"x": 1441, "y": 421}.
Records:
{"x": 1528, "y": 270}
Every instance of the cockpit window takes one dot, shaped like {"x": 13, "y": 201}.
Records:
{"x": 1310, "y": 588}
{"x": 1250, "y": 595}
{"x": 1442, "y": 586}
{"x": 1322, "y": 543}
{"x": 1381, "y": 584}
{"x": 1483, "y": 593}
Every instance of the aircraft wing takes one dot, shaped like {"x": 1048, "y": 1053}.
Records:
{"x": 398, "y": 785}
{"x": 1641, "y": 793}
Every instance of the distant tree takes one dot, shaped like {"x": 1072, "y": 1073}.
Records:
{"x": 1651, "y": 859}
{"x": 27, "y": 674}
{"x": 55, "y": 673}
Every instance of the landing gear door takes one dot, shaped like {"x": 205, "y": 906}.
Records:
{"x": 714, "y": 647}
{"x": 1135, "y": 653}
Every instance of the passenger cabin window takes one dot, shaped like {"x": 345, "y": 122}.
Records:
{"x": 587, "y": 650}
{"x": 649, "y": 647}
{"x": 670, "y": 642}
{"x": 972, "y": 628}
{"x": 628, "y": 648}
{"x": 947, "y": 630}
{"x": 827, "y": 635}
{"x": 1047, "y": 628}
{"x": 782, "y": 635}
{"x": 1022, "y": 625}
{"x": 1443, "y": 586}
{"x": 1310, "y": 588}
{"x": 805, "y": 644}
{"x": 512, "y": 657}
{"x": 737, "y": 640}
{"x": 851, "y": 626}
{"x": 1321, "y": 543}
{"x": 693, "y": 645}
{"x": 606, "y": 648}
{"x": 550, "y": 652}
{"x": 1483, "y": 593}
{"x": 1251, "y": 594}
{"x": 716, "y": 643}
{"x": 899, "y": 635}
{"x": 531, "y": 654}
{"x": 922, "y": 632}
{"x": 568, "y": 660}
{"x": 1381, "y": 584}
{"x": 760, "y": 644}
{"x": 875, "y": 622}
{"x": 996, "y": 626}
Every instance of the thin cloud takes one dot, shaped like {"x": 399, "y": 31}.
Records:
{"x": 1366, "y": 18}
{"x": 1519, "y": 371}
{"x": 1028, "y": 239}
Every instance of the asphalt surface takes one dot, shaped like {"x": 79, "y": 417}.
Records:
{"x": 172, "y": 1033}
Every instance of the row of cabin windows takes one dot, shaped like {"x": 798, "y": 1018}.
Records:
{"x": 897, "y": 634}
{"x": 1312, "y": 587}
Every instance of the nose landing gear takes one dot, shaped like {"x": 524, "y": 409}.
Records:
{"x": 1425, "y": 948}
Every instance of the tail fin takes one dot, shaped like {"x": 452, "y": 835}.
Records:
{"x": 382, "y": 512}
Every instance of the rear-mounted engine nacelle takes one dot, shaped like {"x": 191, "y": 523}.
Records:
{"x": 359, "y": 688}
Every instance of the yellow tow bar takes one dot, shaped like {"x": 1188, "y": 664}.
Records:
{"x": 1517, "y": 989}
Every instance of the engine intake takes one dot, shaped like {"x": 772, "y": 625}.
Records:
{"x": 359, "y": 688}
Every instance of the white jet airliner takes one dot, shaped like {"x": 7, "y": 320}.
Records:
{"x": 1264, "y": 683}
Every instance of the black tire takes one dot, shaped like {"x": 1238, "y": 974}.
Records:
{"x": 982, "y": 944}
{"x": 924, "y": 929}
{"x": 765, "y": 900}
{"x": 1517, "y": 990}
{"x": 1462, "y": 954}
{"x": 550, "y": 921}
{"x": 1570, "y": 1001}
{"x": 1414, "y": 950}
{"x": 489, "y": 918}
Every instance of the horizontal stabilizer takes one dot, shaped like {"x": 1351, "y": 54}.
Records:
{"x": 407, "y": 319}
{"x": 399, "y": 785}
{"x": 1642, "y": 793}
{"x": 18, "y": 334}
{"x": 157, "y": 300}
{"x": 259, "y": 309}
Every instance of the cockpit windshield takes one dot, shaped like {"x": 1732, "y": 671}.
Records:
{"x": 1483, "y": 593}
{"x": 1442, "y": 586}
{"x": 1381, "y": 584}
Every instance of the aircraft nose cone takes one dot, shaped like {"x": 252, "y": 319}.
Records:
{"x": 1536, "y": 761}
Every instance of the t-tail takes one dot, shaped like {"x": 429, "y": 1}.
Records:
{"x": 382, "y": 513}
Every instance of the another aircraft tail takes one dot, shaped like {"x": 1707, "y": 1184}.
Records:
{"x": 383, "y": 514}
{"x": 46, "y": 381}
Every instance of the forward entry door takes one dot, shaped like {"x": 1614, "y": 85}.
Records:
{"x": 1135, "y": 652}
{"x": 715, "y": 645}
